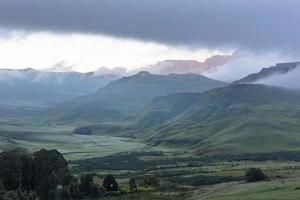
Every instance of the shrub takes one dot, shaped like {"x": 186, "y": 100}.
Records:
{"x": 151, "y": 181}
{"x": 110, "y": 184}
{"x": 255, "y": 174}
{"x": 86, "y": 182}
{"x": 96, "y": 191}
{"x": 132, "y": 185}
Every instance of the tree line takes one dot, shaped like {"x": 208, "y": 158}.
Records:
{"x": 45, "y": 175}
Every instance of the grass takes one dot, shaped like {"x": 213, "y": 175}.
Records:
{"x": 149, "y": 196}
{"x": 288, "y": 189}
{"x": 74, "y": 147}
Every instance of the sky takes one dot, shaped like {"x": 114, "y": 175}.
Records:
{"x": 83, "y": 35}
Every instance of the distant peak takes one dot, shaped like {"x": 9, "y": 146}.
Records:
{"x": 28, "y": 70}
{"x": 143, "y": 73}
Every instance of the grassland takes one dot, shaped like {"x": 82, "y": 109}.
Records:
{"x": 287, "y": 189}
{"x": 74, "y": 147}
{"x": 184, "y": 175}
{"x": 188, "y": 176}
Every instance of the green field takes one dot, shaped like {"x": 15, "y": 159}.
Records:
{"x": 184, "y": 175}
{"x": 73, "y": 146}
{"x": 288, "y": 189}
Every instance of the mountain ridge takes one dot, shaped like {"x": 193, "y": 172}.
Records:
{"x": 280, "y": 68}
{"x": 128, "y": 94}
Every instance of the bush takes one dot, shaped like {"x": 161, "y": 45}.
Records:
{"x": 255, "y": 174}
{"x": 18, "y": 195}
{"x": 83, "y": 131}
{"x": 72, "y": 191}
{"x": 151, "y": 181}
{"x": 96, "y": 191}
{"x": 132, "y": 185}
{"x": 86, "y": 182}
{"x": 110, "y": 184}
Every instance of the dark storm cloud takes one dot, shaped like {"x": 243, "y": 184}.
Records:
{"x": 252, "y": 24}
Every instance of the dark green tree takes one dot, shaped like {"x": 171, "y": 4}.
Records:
{"x": 47, "y": 187}
{"x": 16, "y": 170}
{"x": 72, "y": 191}
{"x": 51, "y": 171}
{"x": 2, "y": 189}
{"x": 18, "y": 195}
{"x": 132, "y": 185}
{"x": 110, "y": 184}
{"x": 255, "y": 174}
{"x": 151, "y": 181}
{"x": 96, "y": 191}
{"x": 86, "y": 182}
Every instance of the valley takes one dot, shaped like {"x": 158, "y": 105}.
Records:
{"x": 196, "y": 135}
{"x": 73, "y": 147}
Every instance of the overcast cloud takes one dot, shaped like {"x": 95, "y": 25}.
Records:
{"x": 251, "y": 24}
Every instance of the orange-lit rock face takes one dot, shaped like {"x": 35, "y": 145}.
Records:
{"x": 191, "y": 66}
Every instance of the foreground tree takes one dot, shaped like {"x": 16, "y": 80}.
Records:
{"x": 17, "y": 170}
{"x": 96, "y": 191}
{"x": 255, "y": 174}
{"x": 110, "y": 184}
{"x": 86, "y": 182}
{"x": 2, "y": 189}
{"x": 52, "y": 172}
{"x": 132, "y": 185}
{"x": 72, "y": 191}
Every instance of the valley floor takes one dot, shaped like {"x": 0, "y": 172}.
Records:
{"x": 184, "y": 175}
{"x": 286, "y": 189}
{"x": 74, "y": 147}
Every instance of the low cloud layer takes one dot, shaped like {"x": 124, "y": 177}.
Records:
{"x": 251, "y": 24}
{"x": 247, "y": 63}
{"x": 288, "y": 80}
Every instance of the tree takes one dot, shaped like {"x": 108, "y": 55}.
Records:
{"x": 2, "y": 189}
{"x": 49, "y": 162}
{"x": 16, "y": 170}
{"x": 132, "y": 185}
{"x": 83, "y": 131}
{"x": 110, "y": 184}
{"x": 51, "y": 171}
{"x": 255, "y": 174}
{"x": 96, "y": 191}
{"x": 86, "y": 182}
{"x": 151, "y": 181}
{"x": 72, "y": 191}
{"x": 47, "y": 187}
{"x": 18, "y": 195}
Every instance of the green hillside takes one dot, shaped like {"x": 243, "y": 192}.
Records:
{"x": 122, "y": 98}
{"x": 244, "y": 117}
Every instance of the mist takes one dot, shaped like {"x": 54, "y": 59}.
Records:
{"x": 247, "y": 63}
{"x": 288, "y": 80}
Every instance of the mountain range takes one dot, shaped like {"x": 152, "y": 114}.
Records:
{"x": 182, "y": 110}
{"x": 122, "y": 98}
{"x": 34, "y": 88}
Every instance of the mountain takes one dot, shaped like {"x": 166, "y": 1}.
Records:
{"x": 122, "y": 98}
{"x": 243, "y": 117}
{"x": 191, "y": 66}
{"x": 281, "y": 68}
{"x": 34, "y": 88}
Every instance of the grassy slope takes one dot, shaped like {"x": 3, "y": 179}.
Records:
{"x": 275, "y": 190}
{"x": 122, "y": 98}
{"x": 243, "y": 117}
